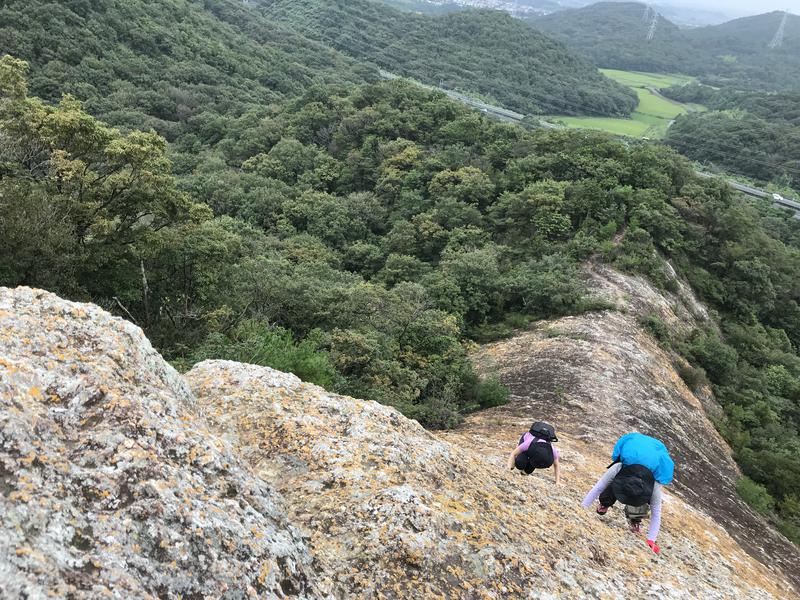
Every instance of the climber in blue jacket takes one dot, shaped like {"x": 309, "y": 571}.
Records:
{"x": 642, "y": 465}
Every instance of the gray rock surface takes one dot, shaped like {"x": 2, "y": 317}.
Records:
{"x": 110, "y": 483}
{"x": 117, "y": 479}
{"x": 600, "y": 375}
{"x": 395, "y": 511}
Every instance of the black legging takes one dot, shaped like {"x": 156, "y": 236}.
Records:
{"x": 607, "y": 497}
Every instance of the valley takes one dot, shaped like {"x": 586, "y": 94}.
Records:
{"x": 653, "y": 114}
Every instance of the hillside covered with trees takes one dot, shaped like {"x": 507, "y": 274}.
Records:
{"x": 193, "y": 71}
{"x": 484, "y": 52}
{"x": 738, "y": 53}
{"x": 766, "y": 125}
{"x": 614, "y": 35}
{"x": 745, "y": 48}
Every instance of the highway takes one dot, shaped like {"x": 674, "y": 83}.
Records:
{"x": 497, "y": 111}
{"x": 777, "y": 200}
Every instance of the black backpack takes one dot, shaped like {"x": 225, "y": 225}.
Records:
{"x": 543, "y": 430}
{"x": 539, "y": 455}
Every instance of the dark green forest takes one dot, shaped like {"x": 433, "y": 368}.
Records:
{"x": 190, "y": 70}
{"x": 748, "y": 60}
{"x": 485, "y": 52}
{"x": 752, "y": 133}
{"x": 736, "y": 53}
{"x": 614, "y": 35}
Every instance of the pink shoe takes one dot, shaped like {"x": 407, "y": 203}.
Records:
{"x": 601, "y": 510}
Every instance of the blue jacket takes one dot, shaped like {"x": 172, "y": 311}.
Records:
{"x": 640, "y": 449}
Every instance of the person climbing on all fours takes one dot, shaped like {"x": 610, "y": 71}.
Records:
{"x": 536, "y": 451}
{"x": 642, "y": 465}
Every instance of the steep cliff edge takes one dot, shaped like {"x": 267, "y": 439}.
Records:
{"x": 600, "y": 375}
{"x": 116, "y": 475}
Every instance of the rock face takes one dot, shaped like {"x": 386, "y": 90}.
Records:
{"x": 115, "y": 475}
{"x": 109, "y": 481}
{"x": 397, "y": 512}
{"x": 600, "y": 375}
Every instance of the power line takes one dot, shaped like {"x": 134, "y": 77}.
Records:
{"x": 777, "y": 41}
{"x": 653, "y": 24}
{"x": 735, "y": 154}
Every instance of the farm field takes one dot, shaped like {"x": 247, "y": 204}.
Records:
{"x": 653, "y": 114}
{"x": 635, "y": 79}
{"x": 629, "y": 127}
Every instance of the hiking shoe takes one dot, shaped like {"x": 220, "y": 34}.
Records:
{"x": 601, "y": 510}
{"x": 635, "y": 526}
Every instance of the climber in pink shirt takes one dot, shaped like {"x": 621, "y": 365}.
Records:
{"x": 536, "y": 451}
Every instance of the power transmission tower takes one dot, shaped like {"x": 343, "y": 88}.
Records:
{"x": 777, "y": 41}
{"x": 653, "y": 24}
{"x": 646, "y": 14}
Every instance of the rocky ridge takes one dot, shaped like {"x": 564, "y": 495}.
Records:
{"x": 599, "y": 375}
{"x": 119, "y": 477}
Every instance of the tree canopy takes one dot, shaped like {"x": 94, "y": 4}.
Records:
{"x": 752, "y": 133}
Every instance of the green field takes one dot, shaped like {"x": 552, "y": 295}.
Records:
{"x": 629, "y": 127}
{"x": 653, "y": 114}
{"x": 635, "y": 79}
{"x": 658, "y": 106}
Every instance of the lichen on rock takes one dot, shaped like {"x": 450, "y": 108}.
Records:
{"x": 111, "y": 484}
{"x": 398, "y": 512}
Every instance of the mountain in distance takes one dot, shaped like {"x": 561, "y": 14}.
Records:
{"x": 685, "y": 16}
{"x": 615, "y": 35}
{"x": 755, "y": 48}
{"x": 483, "y": 52}
{"x": 519, "y": 8}
{"x": 691, "y": 16}
{"x": 751, "y": 53}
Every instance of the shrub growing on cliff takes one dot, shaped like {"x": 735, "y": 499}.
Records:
{"x": 488, "y": 392}
{"x": 656, "y": 327}
{"x": 755, "y": 495}
{"x": 257, "y": 343}
{"x": 693, "y": 377}
{"x": 717, "y": 358}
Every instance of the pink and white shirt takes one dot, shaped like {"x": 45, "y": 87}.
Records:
{"x": 529, "y": 439}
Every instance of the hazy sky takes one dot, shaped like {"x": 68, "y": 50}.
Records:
{"x": 739, "y": 7}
